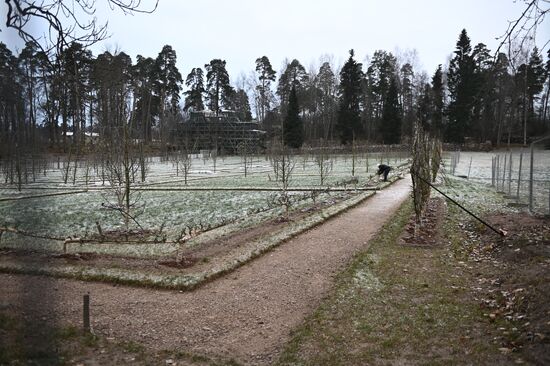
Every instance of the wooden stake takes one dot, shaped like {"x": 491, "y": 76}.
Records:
{"x": 99, "y": 228}
{"x": 86, "y": 313}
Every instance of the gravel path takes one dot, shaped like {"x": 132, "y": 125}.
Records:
{"x": 246, "y": 315}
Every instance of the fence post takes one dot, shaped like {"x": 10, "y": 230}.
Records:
{"x": 504, "y": 171}
{"x": 531, "y": 178}
{"x": 470, "y": 167}
{"x": 497, "y": 171}
{"x": 510, "y": 175}
{"x": 519, "y": 174}
{"x": 86, "y": 313}
{"x": 493, "y": 171}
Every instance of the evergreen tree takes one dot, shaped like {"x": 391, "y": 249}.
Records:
{"x": 242, "y": 105}
{"x": 169, "y": 80}
{"x": 76, "y": 64}
{"x": 407, "y": 96}
{"x": 438, "y": 95}
{"x": 219, "y": 91}
{"x": 111, "y": 77}
{"x": 379, "y": 73}
{"x": 294, "y": 76}
{"x": 147, "y": 102}
{"x": 327, "y": 85}
{"x": 529, "y": 81}
{"x": 483, "y": 91}
{"x": 293, "y": 130}
{"x": 266, "y": 75}
{"x": 195, "y": 85}
{"x": 168, "y": 88}
{"x": 546, "y": 96}
{"x": 349, "y": 111}
{"x": 29, "y": 64}
{"x": 425, "y": 111}
{"x": 391, "y": 116}
{"x": 11, "y": 102}
{"x": 536, "y": 77}
{"x": 461, "y": 84}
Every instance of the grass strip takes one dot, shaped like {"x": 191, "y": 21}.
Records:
{"x": 396, "y": 304}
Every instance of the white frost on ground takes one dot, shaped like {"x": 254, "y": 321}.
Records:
{"x": 76, "y": 214}
{"x": 480, "y": 171}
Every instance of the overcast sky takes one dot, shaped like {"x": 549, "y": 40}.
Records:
{"x": 239, "y": 31}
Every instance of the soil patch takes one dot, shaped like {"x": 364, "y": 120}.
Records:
{"x": 429, "y": 232}
{"x": 514, "y": 282}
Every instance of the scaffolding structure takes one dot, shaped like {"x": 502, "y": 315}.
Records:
{"x": 222, "y": 133}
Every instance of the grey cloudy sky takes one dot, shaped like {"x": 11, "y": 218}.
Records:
{"x": 240, "y": 31}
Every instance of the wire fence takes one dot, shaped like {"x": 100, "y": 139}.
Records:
{"x": 522, "y": 175}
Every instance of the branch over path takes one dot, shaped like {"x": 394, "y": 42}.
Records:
{"x": 247, "y": 314}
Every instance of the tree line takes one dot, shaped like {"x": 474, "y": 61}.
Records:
{"x": 57, "y": 102}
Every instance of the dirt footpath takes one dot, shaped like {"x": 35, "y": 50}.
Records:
{"x": 246, "y": 315}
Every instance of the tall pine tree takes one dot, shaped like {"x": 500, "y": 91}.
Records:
{"x": 147, "y": 102}
{"x": 293, "y": 129}
{"x": 348, "y": 124}
{"x": 536, "y": 76}
{"x": 266, "y": 75}
{"x": 294, "y": 76}
{"x": 220, "y": 92}
{"x": 241, "y": 105}
{"x": 391, "y": 115}
{"x": 193, "y": 96}
{"x": 461, "y": 83}
{"x": 438, "y": 94}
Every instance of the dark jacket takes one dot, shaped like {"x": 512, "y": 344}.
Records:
{"x": 383, "y": 168}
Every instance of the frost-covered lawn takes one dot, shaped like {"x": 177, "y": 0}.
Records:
{"x": 480, "y": 171}
{"x": 226, "y": 171}
{"x": 76, "y": 214}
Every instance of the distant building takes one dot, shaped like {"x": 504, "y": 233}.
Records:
{"x": 223, "y": 133}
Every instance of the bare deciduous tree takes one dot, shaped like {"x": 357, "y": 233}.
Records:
{"x": 64, "y": 22}
{"x": 424, "y": 161}
{"x": 122, "y": 162}
{"x": 524, "y": 28}
{"x": 283, "y": 165}
{"x": 324, "y": 162}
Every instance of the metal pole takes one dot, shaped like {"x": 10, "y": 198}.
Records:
{"x": 519, "y": 173}
{"x": 510, "y": 176}
{"x": 497, "y": 171}
{"x": 531, "y": 178}
{"x": 470, "y": 167}
{"x": 504, "y": 171}
{"x": 493, "y": 171}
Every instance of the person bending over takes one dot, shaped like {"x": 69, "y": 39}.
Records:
{"x": 384, "y": 169}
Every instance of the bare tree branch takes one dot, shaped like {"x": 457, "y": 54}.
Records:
{"x": 66, "y": 21}
{"x": 524, "y": 28}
